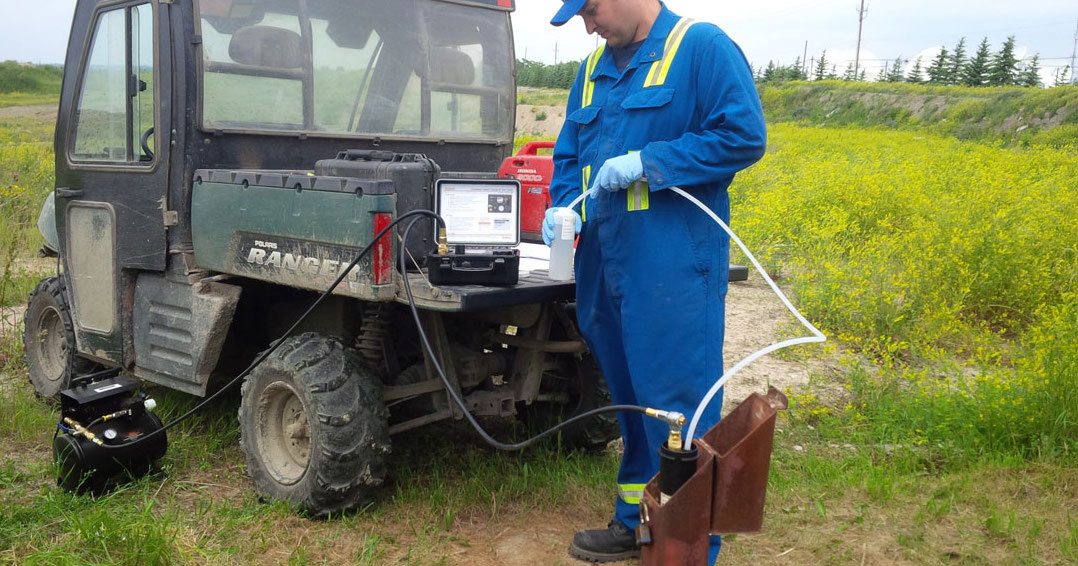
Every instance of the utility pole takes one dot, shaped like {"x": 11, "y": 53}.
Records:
{"x": 555, "y": 52}
{"x": 860, "y": 24}
{"x": 804, "y": 58}
{"x": 1074, "y": 51}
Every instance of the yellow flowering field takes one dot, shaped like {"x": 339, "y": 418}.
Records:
{"x": 925, "y": 252}
{"x": 26, "y": 178}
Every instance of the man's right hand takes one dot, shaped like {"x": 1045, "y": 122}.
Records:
{"x": 548, "y": 224}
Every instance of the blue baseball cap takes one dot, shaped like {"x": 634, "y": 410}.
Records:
{"x": 569, "y": 8}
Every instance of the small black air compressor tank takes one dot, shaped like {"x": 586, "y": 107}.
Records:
{"x": 101, "y": 435}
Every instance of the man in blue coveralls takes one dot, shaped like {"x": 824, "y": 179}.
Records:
{"x": 666, "y": 102}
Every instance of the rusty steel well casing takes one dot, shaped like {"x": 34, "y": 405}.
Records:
{"x": 725, "y": 496}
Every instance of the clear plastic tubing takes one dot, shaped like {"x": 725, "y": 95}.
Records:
{"x": 816, "y": 337}
{"x": 561, "y": 248}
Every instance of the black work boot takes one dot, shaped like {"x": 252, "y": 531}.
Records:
{"x": 615, "y": 542}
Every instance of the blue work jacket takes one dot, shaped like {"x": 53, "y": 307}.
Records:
{"x": 687, "y": 101}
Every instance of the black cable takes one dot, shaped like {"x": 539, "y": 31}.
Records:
{"x": 456, "y": 396}
{"x": 423, "y": 337}
{"x": 273, "y": 346}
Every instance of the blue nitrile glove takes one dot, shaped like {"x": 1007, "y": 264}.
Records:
{"x": 620, "y": 172}
{"x": 548, "y": 224}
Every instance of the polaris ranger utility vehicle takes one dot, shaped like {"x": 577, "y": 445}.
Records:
{"x": 218, "y": 162}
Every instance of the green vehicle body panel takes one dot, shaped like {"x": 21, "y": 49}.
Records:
{"x": 292, "y": 229}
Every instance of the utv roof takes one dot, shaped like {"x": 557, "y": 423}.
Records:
{"x": 509, "y": 5}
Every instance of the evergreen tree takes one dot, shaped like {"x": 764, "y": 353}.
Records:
{"x": 862, "y": 76}
{"x": 793, "y": 72}
{"x": 1031, "y": 74}
{"x": 914, "y": 75}
{"x": 849, "y": 74}
{"x": 882, "y": 76}
{"x": 957, "y": 62}
{"x": 536, "y": 74}
{"x": 821, "y": 67}
{"x": 833, "y": 75}
{"x": 1003, "y": 71}
{"x": 1061, "y": 76}
{"x": 937, "y": 72}
{"x": 976, "y": 71}
{"x": 895, "y": 74}
{"x": 769, "y": 72}
{"x": 798, "y": 69}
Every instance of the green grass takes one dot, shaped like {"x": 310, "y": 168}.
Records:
{"x": 1004, "y": 115}
{"x": 26, "y": 99}
{"x": 946, "y": 434}
{"x": 38, "y": 79}
{"x": 201, "y": 509}
{"x": 542, "y": 96}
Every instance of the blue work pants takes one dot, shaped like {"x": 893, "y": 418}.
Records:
{"x": 651, "y": 288}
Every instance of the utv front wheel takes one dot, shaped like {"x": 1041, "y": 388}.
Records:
{"x": 49, "y": 340}
{"x": 313, "y": 427}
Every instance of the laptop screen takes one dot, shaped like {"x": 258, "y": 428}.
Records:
{"x": 480, "y": 212}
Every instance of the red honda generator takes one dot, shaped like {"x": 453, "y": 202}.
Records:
{"x": 534, "y": 172}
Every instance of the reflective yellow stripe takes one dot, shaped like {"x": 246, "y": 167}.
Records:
{"x": 584, "y": 189}
{"x": 631, "y": 493}
{"x": 589, "y": 85}
{"x": 638, "y": 196}
{"x": 659, "y": 69}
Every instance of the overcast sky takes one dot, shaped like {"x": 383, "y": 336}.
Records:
{"x": 776, "y": 30}
{"x": 767, "y": 30}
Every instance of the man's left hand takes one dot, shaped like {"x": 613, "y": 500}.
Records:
{"x": 620, "y": 172}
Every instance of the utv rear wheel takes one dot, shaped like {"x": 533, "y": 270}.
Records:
{"x": 585, "y": 389}
{"x": 313, "y": 427}
{"x": 49, "y": 340}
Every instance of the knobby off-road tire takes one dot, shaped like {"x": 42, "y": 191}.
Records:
{"x": 313, "y": 427}
{"x": 587, "y": 390}
{"x": 48, "y": 339}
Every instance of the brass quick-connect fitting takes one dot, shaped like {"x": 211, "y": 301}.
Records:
{"x": 83, "y": 431}
{"x": 676, "y": 421}
{"x": 443, "y": 242}
{"x": 674, "y": 441}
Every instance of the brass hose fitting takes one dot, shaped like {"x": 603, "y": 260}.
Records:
{"x": 676, "y": 421}
{"x": 80, "y": 430}
{"x": 443, "y": 242}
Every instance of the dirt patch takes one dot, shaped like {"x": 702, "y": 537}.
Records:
{"x": 11, "y": 319}
{"x": 755, "y": 319}
{"x": 40, "y": 111}
{"x": 919, "y": 105}
{"x": 539, "y": 121}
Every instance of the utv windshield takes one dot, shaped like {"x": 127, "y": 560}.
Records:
{"x": 402, "y": 68}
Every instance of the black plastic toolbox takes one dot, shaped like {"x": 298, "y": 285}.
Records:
{"x": 413, "y": 176}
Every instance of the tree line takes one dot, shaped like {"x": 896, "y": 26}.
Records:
{"x": 953, "y": 67}
{"x": 948, "y": 68}
{"x": 541, "y": 75}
